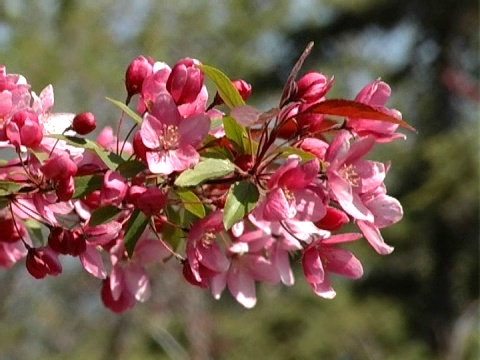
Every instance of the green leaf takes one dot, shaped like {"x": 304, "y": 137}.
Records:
{"x": 133, "y": 115}
{"x": 172, "y": 235}
{"x": 289, "y": 150}
{"x": 86, "y": 184}
{"x": 111, "y": 160}
{"x": 35, "y": 229}
{"x": 135, "y": 227}
{"x": 225, "y": 89}
{"x": 241, "y": 199}
{"x": 103, "y": 215}
{"x": 205, "y": 170}
{"x": 191, "y": 202}
{"x": 131, "y": 168}
{"x": 237, "y": 135}
{"x": 9, "y": 187}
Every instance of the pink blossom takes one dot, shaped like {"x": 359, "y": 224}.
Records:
{"x": 292, "y": 194}
{"x": 349, "y": 175}
{"x": 376, "y": 94}
{"x": 59, "y": 167}
{"x": 114, "y": 188}
{"x": 129, "y": 281}
{"x": 321, "y": 257}
{"x": 170, "y": 139}
{"x": 386, "y": 211}
{"x": 240, "y": 277}
{"x": 10, "y": 253}
{"x": 202, "y": 249}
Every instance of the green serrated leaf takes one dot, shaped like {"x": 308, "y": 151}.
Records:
{"x": 111, "y": 160}
{"x": 135, "y": 227}
{"x": 103, "y": 215}
{"x": 241, "y": 199}
{"x": 205, "y": 170}
{"x": 191, "y": 202}
{"x": 237, "y": 135}
{"x": 133, "y": 115}
{"x": 131, "y": 168}
{"x": 86, "y": 184}
{"x": 225, "y": 89}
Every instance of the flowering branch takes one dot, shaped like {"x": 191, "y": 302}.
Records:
{"x": 230, "y": 191}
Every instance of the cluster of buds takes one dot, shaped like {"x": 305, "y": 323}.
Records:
{"x": 229, "y": 192}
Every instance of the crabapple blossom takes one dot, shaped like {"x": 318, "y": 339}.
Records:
{"x": 171, "y": 139}
{"x": 232, "y": 193}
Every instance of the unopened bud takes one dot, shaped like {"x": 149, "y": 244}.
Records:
{"x": 84, "y": 123}
{"x": 137, "y": 71}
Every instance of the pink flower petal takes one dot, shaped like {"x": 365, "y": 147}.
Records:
{"x": 309, "y": 206}
{"x": 343, "y": 263}
{"x": 92, "y": 262}
{"x": 193, "y": 130}
{"x": 374, "y": 237}
{"x": 277, "y": 207}
{"x": 150, "y": 130}
{"x": 348, "y": 200}
{"x": 242, "y": 286}
{"x": 324, "y": 289}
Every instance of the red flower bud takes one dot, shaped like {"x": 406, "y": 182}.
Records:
{"x": 243, "y": 88}
{"x": 312, "y": 87}
{"x": 84, "y": 123}
{"x": 185, "y": 81}
{"x": 9, "y": 231}
{"x": 66, "y": 242}
{"x": 137, "y": 71}
{"x": 333, "y": 220}
{"x": 43, "y": 261}
{"x": 151, "y": 201}
{"x": 24, "y": 129}
{"x": 245, "y": 162}
{"x": 65, "y": 189}
{"x": 59, "y": 167}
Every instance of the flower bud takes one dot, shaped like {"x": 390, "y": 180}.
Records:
{"x": 24, "y": 129}
{"x": 312, "y": 87}
{"x": 59, "y": 167}
{"x": 84, "y": 123}
{"x": 185, "y": 81}
{"x": 114, "y": 188}
{"x": 245, "y": 162}
{"x": 66, "y": 242}
{"x": 151, "y": 201}
{"x": 65, "y": 189}
{"x": 333, "y": 220}
{"x": 137, "y": 71}
{"x": 43, "y": 261}
{"x": 9, "y": 231}
{"x": 243, "y": 88}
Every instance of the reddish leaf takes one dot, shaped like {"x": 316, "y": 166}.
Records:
{"x": 352, "y": 110}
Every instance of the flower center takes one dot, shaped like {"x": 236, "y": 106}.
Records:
{"x": 348, "y": 173}
{"x": 208, "y": 239}
{"x": 169, "y": 137}
{"x": 289, "y": 195}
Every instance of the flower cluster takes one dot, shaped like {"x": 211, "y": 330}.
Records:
{"x": 229, "y": 192}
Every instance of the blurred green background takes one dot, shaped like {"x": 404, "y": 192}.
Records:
{"x": 420, "y": 302}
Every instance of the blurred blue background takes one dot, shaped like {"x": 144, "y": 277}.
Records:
{"x": 420, "y": 302}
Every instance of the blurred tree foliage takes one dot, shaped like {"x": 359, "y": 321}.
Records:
{"x": 421, "y": 302}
